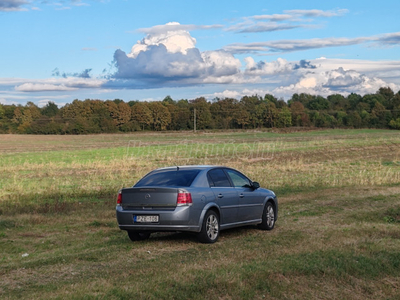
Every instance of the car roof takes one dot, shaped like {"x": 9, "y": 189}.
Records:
{"x": 190, "y": 167}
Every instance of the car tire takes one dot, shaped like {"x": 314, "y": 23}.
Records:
{"x": 210, "y": 229}
{"x": 268, "y": 217}
{"x": 138, "y": 236}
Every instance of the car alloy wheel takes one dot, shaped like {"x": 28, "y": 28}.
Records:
{"x": 210, "y": 229}
{"x": 270, "y": 215}
{"x": 268, "y": 218}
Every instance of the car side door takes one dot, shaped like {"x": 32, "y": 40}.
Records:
{"x": 250, "y": 199}
{"x": 225, "y": 195}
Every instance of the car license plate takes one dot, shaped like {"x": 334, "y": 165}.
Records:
{"x": 145, "y": 219}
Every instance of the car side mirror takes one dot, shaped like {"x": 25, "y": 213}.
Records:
{"x": 255, "y": 185}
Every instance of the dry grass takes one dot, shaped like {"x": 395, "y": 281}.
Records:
{"x": 337, "y": 236}
{"x": 285, "y": 161}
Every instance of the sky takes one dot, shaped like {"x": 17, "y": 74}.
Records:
{"x": 146, "y": 50}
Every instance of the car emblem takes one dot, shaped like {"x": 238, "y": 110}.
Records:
{"x": 147, "y": 196}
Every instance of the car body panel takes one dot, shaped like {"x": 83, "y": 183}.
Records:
{"x": 250, "y": 203}
{"x": 228, "y": 202}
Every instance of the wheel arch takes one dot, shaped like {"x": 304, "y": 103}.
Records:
{"x": 209, "y": 206}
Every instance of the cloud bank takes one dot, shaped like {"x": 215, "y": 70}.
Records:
{"x": 168, "y": 57}
{"x": 281, "y": 46}
{"x": 59, "y": 84}
{"x": 291, "y": 19}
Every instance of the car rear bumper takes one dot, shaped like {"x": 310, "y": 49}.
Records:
{"x": 171, "y": 220}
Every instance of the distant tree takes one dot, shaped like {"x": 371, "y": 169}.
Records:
{"x": 133, "y": 102}
{"x": 118, "y": 101}
{"x": 9, "y": 111}
{"x": 395, "y": 105}
{"x": 72, "y": 110}
{"x": 142, "y": 114}
{"x": 362, "y": 106}
{"x": 2, "y": 112}
{"x": 260, "y": 115}
{"x": 100, "y": 115}
{"x": 371, "y": 99}
{"x": 23, "y": 117}
{"x": 353, "y": 119}
{"x": 47, "y": 125}
{"x": 379, "y": 110}
{"x": 203, "y": 114}
{"x": 353, "y": 100}
{"x": 113, "y": 110}
{"x": 124, "y": 114}
{"x": 222, "y": 112}
{"x": 365, "y": 118}
{"x": 299, "y": 115}
{"x": 50, "y": 109}
{"x": 338, "y": 102}
{"x": 249, "y": 106}
{"x": 270, "y": 98}
{"x": 340, "y": 118}
{"x": 320, "y": 119}
{"x": 88, "y": 116}
{"x": 303, "y": 98}
{"x": 380, "y": 117}
{"x": 241, "y": 115}
{"x": 271, "y": 114}
{"x": 386, "y": 92}
{"x": 161, "y": 117}
{"x": 318, "y": 103}
{"x": 33, "y": 109}
{"x": 396, "y": 99}
{"x": 395, "y": 124}
{"x": 330, "y": 121}
{"x": 18, "y": 115}
{"x": 168, "y": 100}
{"x": 180, "y": 115}
{"x": 281, "y": 104}
{"x": 284, "y": 118}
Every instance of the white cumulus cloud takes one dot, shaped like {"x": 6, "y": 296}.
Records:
{"x": 172, "y": 37}
{"x": 168, "y": 56}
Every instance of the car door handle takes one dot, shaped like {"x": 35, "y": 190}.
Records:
{"x": 241, "y": 195}
{"x": 220, "y": 196}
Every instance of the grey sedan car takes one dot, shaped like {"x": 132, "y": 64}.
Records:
{"x": 199, "y": 199}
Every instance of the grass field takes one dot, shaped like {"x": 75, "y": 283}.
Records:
{"x": 337, "y": 237}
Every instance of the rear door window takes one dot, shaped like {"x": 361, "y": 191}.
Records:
{"x": 218, "y": 178}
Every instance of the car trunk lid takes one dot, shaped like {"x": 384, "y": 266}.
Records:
{"x": 147, "y": 198}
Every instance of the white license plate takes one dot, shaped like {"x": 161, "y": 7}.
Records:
{"x": 145, "y": 219}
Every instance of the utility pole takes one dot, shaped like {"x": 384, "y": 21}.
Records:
{"x": 194, "y": 122}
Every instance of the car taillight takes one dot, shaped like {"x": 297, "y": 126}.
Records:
{"x": 184, "y": 198}
{"x": 119, "y": 199}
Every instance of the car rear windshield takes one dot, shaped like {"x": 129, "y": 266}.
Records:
{"x": 183, "y": 178}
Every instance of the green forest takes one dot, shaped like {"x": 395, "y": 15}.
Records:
{"x": 379, "y": 110}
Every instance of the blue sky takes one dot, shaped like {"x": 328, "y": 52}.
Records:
{"x": 145, "y": 50}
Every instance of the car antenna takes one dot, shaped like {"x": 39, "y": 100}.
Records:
{"x": 177, "y": 168}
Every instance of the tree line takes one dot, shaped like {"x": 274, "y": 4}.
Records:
{"x": 379, "y": 110}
